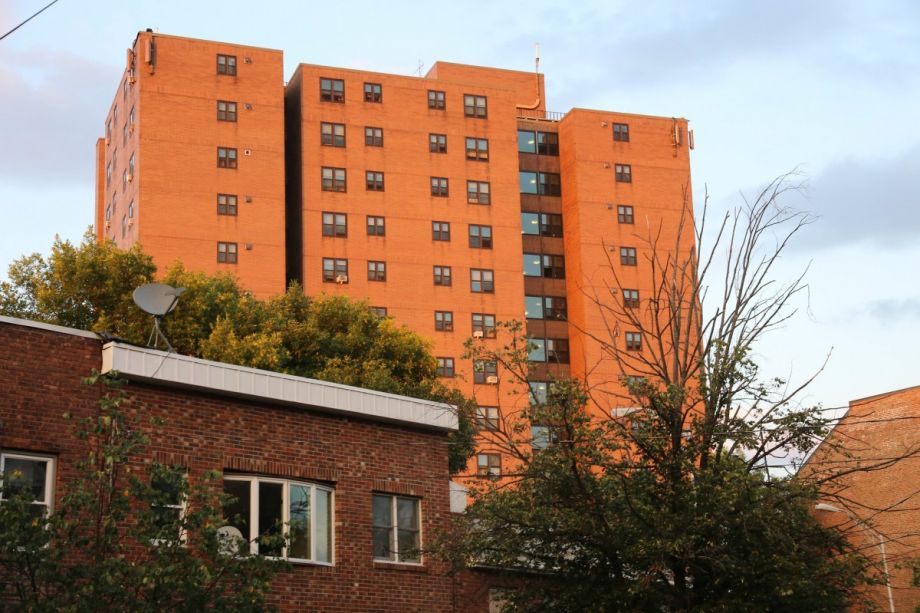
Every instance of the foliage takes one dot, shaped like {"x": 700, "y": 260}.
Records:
{"x": 112, "y": 545}
{"x": 658, "y": 495}
{"x": 332, "y": 338}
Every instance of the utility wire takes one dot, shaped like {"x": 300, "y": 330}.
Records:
{"x": 40, "y": 11}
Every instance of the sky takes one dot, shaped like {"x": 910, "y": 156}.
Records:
{"x": 826, "y": 88}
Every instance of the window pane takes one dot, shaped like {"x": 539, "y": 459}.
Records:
{"x": 526, "y": 142}
{"x": 236, "y": 512}
{"x": 299, "y": 522}
{"x": 530, "y": 223}
{"x": 537, "y": 350}
{"x": 407, "y": 513}
{"x": 270, "y": 497}
{"x": 533, "y": 307}
{"x": 538, "y": 392}
{"x": 407, "y": 529}
{"x": 528, "y": 182}
{"x": 322, "y": 531}
{"x": 382, "y": 517}
{"x": 25, "y": 477}
{"x": 533, "y": 265}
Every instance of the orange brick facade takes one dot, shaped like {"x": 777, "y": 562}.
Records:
{"x": 388, "y": 125}
{"x": 876, "y": 430}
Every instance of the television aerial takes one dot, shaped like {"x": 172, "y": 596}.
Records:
{"x": 158, "y": 299}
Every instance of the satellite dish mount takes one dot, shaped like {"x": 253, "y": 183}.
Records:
{"x": 158, "y": 299}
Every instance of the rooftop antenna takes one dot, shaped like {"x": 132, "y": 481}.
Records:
{"x": 158, "y": 299}
{"x": 537, "y": 69}
{"x": 421, "y": 65}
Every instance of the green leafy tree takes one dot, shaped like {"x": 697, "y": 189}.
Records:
{"x": 660, "y": 497}
{"x": 113, "y": 543}
{"x": 90, "y": 286}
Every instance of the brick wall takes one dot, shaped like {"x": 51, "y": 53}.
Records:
{"x": 40, "y": 381}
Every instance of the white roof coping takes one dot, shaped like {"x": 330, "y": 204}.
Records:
{"x": 151, "y": 365}
{"x": 28, "y": 323}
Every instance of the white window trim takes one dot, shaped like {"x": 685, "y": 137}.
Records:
{"x": 286, "y": 515}
{"x": 394, "y": 531}
{"x": 48, "y": 503}
{"x": 183, "y": 509}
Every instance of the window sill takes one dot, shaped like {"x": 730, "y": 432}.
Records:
{"x": 401, "y": 566}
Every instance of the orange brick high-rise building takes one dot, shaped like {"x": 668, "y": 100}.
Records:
{"x": 449, "y": 201}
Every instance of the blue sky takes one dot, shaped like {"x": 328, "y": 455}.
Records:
{"x": 830, "y": 88}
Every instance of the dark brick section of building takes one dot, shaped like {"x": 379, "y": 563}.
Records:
{"x": 41, "y": 380}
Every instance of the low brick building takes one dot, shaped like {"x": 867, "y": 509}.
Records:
{"x": 879, "y": 506}
{"x": 359, "y": 455}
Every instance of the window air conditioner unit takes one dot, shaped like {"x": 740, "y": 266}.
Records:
{"x": 130, "y": 177}
{"x": 477, "y": 334}
{"x": 492, "y": 379}
{"x": 108, "y": 140}
{"x": 132, "y": 80}
{"x": 131, "y": 127}
{"x": 130, "y": 222}
{"x": 341, "y": 279}
{"x": 108, "y": 224}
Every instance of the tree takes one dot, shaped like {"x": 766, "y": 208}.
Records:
{"x": 654, "y": 493}
{"x": 332, "y": 338}
{"x": 114, "y": 543}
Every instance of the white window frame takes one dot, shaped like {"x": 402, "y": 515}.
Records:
{"x": 286, "y": 515}
{"x": 49, "y": 461}
{"x": 394, "y": 530}
{"x": 182, "y": 506}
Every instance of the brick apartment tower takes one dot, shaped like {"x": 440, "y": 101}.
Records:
{"x": 450, "y": 201}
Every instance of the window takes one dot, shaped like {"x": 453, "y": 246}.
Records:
{"x": 538, "y": 391}
{"x": 633, "y": 341}
{"x": 540, "y": 183}
{"x": 376, "y": 225}
{"x": 623, "y": 173}
{"x": 541, "y": 224}
{"x": 624, "y": 213}
{"x": 373, "y": 92}
{"x": 436, "y": 99}
{"x": 226, "y": 253}
{"x": 537, "y": 349}
{"x": 124, "y": 134}
{"x": 489, "y": 465}
{"x": 131, "y": 210}
{"x": 487, "y": 417}
{"x": 543, "y": 143}
{"x": 335, "y": 224}
{"x": 484, "y": 324}
{"x": 373, "y": 137}
{"x": 444, "y": 321}
{"x": 131, "y": 167}
{"x": 547, "y": 143}
{"x": 374, "y": 181}
{"x": 621, "y": 132}
{"x": 477, "y": 148}
{"x": 545, "y": 307}
{"x": 440, "y": 231}
{"x": 377, "y": 311}
{"x": 442, "y": 275}
{"x": 108, "y": 131}
{"x": 628, "y": 256}
{"x": 301, "y": 511}
{"x": 396, "y": 529}
{"x": 108, "y": 173}
{"x": 437, "y": 143}
{"x": 376, "y": 271}
{"x": 631, "y": 298}
{"x": 335, "y": 270}
{"x": 333, "y": 179}
{"x": 439, "y": 187}
{"x": 481, "y": 280}
{"x": 557, "y": 350}
{"x": 332, "y": 134}
{"x": 541, "y": 437}
{"x": 485, "y": 371}
{"x": 169, "y": 503}
{"x": 31, "y": 476}
{"x": 475, "y": 106}
{"x": 542, "y": 265}
{"x": 226, "y": 110}
{"x": 332, "y": 90}
{"x": 124, "y": 179}
{"x": 226, "y": 204}
{"x": 226, "y": 64}
{"x": 226, "y": 157}
{"x": 445, "y": 367}
{"x": 477, "y": 192}
{"x": 480, "y": 237}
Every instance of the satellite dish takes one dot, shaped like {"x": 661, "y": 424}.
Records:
{"x": 158, "y": 299}
{"x": 229, "y": 539}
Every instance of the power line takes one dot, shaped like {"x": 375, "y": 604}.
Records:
{"x": 40, "y": 11}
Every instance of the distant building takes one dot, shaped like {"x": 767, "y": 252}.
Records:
{"x": 358, "y": 455}
{"x": 879, "y": 508}
{"x": 449, "y": 201}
